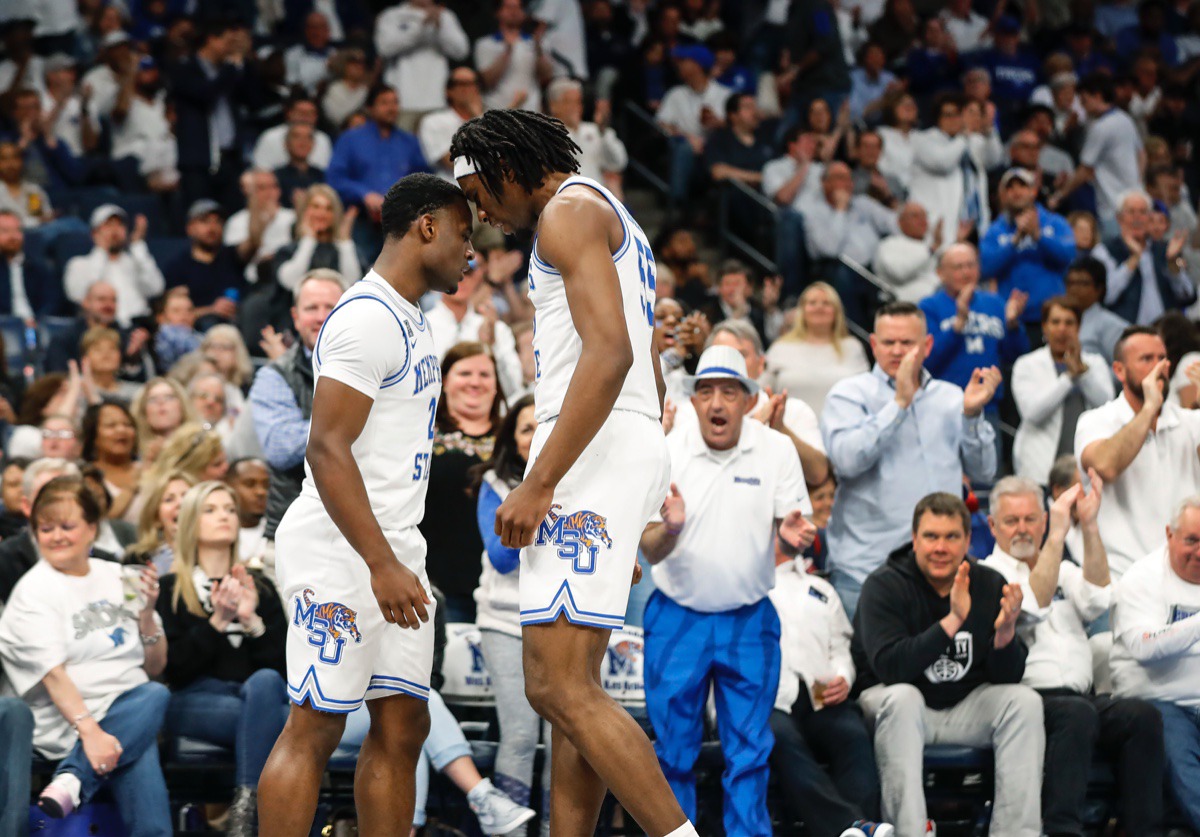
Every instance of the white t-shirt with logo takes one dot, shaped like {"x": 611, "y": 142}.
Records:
{"x": 82, "y": 622}
{"x": 725, "y": 556}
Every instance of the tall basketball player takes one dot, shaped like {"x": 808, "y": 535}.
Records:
{"x": 349, "y": 557}
{"x": 598, "y": 465}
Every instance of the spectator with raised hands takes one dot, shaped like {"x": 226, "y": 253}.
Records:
{"x": 226, "y": 632}
{"x": 418, "y": 39}
{"x": 119, "y": 258}
{"x": 323, "y": 239}
{"x": 1028, "y": 247}
{"x": 80, "y": 641}
{"x": 1132, "y": 442}
{"x": 972, "y": 327}
{"x": 722, "y": 632}
{"x": 939, "y": 660}
{"x": 1053, "y": 386}
{"x": 1059, "y": 600}
{"x": 264, "y": 219}
{"x": 893, "y": 435}
{"x": 1156, "y": 646}
{"x": 1145, "y": 277}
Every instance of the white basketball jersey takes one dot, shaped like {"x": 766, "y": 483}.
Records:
{"x": 380, "y": 344}
{"x": 556, "y": 343}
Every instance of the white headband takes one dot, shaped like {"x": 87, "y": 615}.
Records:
{"x": 463, "y": 167}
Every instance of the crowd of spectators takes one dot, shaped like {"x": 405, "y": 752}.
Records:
{"x": 959, "y": 415}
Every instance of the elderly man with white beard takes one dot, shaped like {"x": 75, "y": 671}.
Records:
{"x": 1059, "y": 600}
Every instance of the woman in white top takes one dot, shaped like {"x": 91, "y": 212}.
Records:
{"x": 818, "y": 351}
{"x": 498, "y": 611}
{"x": 80, "y": 641}
{"x": 1053, "y": 386}
{"x": 322, "y": 240}
{"x": 897, "y": 157}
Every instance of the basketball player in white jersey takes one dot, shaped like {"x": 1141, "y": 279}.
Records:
{"x": 598, "y": 465}
{"x": 350, "y": 560}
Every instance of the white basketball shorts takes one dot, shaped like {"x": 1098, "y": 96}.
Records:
{"x": 340, "y": 649}
{"x": 581, "y": 562}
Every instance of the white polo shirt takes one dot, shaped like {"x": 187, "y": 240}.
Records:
{"x": 798, "y": 417}
{"x": 1156, "y": 633}
{"x": 815, "y": 633}
{"x": 1166, "y": 470}
{"x": 725, "y": 556}
{"x": 1059, "y": 654}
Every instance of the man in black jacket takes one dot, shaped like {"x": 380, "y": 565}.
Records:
{"x": 939, "y": 663}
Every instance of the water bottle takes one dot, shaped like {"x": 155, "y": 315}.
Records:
{"x": 31, "y": 352}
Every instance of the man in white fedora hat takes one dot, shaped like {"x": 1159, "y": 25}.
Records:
{"x": 734, "y": 483}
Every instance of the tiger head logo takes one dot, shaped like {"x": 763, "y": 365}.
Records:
{"x": 577, "y": 535}
{"x": 328, "y": 625}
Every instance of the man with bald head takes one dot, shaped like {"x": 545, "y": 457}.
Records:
{"x": 907, "y": 260}
{"x": 838, "y": 222}
{"x": 1145, "y": 278}
{"x": 98, "y": 308}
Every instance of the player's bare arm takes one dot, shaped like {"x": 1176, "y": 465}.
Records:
{"x": 576, "y": 236}
{"x": 339, "y": 414}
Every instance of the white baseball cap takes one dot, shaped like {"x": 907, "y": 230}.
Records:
{"x": 105, "y": 211}
{"x": 720, "y": 363}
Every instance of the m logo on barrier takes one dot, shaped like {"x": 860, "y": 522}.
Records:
{"x": 578, "y": 537}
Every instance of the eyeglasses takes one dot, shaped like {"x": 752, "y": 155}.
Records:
{"x": 161, "y": 399}
{"x": 58, "y": 434}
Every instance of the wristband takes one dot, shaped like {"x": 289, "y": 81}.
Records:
{"x": 152, "y": 639}
{"x": 80, "y": 718}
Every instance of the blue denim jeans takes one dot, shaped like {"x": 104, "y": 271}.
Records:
{"x": 16, "y": 731}
{"x": 791, "y": 257}
{"x": 1181, "y": 737}
{"x": 848, "y": 590}
{"x": 445, "y": 744}
{"x": 683, "y": 166}
{"x": 245, "y": 717}
{"x": 137, "y": 784}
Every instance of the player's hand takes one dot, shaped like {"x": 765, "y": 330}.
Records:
{"x": 637, "y": 573}
{"x": 400, "y": 594}
{"x": 1006, "y": 621}
{"x": 836, "y": 691}
{"x": 522, "y": 511}
{"x": 668, "y": 416}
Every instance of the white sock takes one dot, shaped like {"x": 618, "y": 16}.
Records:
{"x": 478, "y": 792}
{"x": 685, "y": 830}
{"x": 71, "y": 784}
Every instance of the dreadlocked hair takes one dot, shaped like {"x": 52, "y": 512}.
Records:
{"x": 527, "y": 144}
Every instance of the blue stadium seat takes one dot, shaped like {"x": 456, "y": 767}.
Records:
{"x": 68, "y": 245}
{"x": 954, "y": 757}
{"x": 166, "y": 248}
{"x": 51, "y": 327}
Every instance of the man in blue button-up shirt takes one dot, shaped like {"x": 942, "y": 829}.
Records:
{"x": 368, "y": 159}
{"x": 893, "y": 435}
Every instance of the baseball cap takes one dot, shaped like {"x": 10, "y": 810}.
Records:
{"x": 720, "y": 363}
{"x": 146, "y": 63}
{"x": 699, "y": 53}
{"x": 1024, "y": 175}
{"x": 58, "y": 61}
{"x": 106, "y": 211}
{"x": 202, "y": 207}
{"x": 113, "y": 39}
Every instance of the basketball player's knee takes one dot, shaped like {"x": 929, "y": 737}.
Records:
{"x": 542, "y": 696}
{"x": 402, "y": 734}
{"x": 313, "y": 730}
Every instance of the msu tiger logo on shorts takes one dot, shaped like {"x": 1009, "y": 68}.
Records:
{"x": 578, "y": 537}
{"x": 328, "y": 625}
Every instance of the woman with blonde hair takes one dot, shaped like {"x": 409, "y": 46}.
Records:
{"x": 225, "y": 349}
{"x": 159, "y": 521}
{"x": 159, "y": 408}
{"x": 193, "y": 449}
{"x": 817, "y": 352}
{"x": 322, "y": 239}
{"x": 226, "y": 633}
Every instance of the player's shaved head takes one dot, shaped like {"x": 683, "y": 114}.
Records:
{"x": 413, "y": 196}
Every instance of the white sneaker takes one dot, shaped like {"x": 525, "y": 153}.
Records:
{"x": 867, "y": 828}
{"x": 496, "y": 812}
